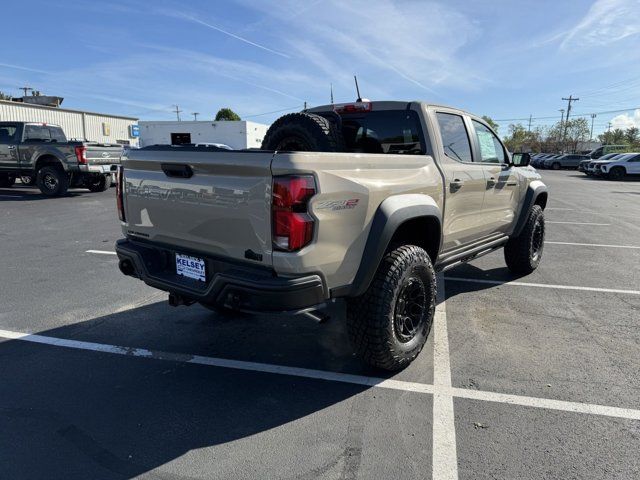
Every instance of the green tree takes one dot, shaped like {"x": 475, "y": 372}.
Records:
{"x": 491, "y": 123}
{"x": 521, "y": 139}
{"x": 228, "y": 115}
{"x": 632, "y": 135}
{"x": 4, "y": 96}
{"x": 575, "y": 130}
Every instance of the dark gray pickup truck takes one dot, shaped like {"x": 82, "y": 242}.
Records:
{"x": 40, "y": 154}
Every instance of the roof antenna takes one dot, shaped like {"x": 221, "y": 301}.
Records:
{"x": 357, "y": 89}
{"x": 331, "y": 93}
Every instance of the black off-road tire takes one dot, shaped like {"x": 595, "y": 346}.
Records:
{"x": 7, "y": 180}
{"x": 556, "y": 166}
{"x": 52, "y": 181}
{"x": 99, "y": 183}
{"x": 375, "y": 329}
{"x": 28, "y": 180}
{"x": 616, "y": 173}
{"x": 303, "y": 132}
{"x": 524, "y": 252}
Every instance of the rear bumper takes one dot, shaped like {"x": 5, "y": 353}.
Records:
{"x": 107, "y": 168}
{"x": 242, "y": 287}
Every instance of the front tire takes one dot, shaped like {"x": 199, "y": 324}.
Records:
{"x": 389, "y": 324}
{"x": 556, "y": 166}
{"x": 524, "y": 252}
{"x": 52, "y": 181}
{"x": 616, "y": 173}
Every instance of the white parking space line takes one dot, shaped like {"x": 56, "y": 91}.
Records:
{"x": 102, "y": 252}
{"x": 444, "y": 451}
{"x": 592, "y": 245}
{"x": 559, "y": 208}
{"x": 543, "y": 285}
{"x": 376, "y": 382}
{"x": 581, "y": 223}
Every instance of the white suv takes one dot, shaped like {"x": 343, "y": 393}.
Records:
{"x": 628, "y": 164}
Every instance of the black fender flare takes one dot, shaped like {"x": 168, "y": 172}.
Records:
{"x": 390, "y": 215}
{"x": 534, "y": 192}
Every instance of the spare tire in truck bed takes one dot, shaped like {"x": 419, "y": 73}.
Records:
{"x": 303, "y": 132}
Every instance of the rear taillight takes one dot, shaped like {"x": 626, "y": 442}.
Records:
{"x": 358, "y": 107}
{"x": 119, "y": 192}
{"x": 292, "y": 226}
{"x": 81, "y": 154}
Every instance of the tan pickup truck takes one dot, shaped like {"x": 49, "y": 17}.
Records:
{"x": 363, "y": 201}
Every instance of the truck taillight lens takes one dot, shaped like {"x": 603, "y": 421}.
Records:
{"x": 81, "y": 154}
{"x": 292, "y": 226}
{"x": 119, "y": 192}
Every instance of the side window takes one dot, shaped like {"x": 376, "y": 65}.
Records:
{"x": 36, "y": 133}
{"x": 8, "y": 133}
{"x": 491, "y": 150}
{"x": 455, "y": 139}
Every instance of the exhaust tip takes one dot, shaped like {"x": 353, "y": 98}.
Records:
{"x": 127, "y": 267}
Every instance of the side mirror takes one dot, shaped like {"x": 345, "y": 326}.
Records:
{"x": 520, "y": 159}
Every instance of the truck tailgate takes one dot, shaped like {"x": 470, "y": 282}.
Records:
{"x": 220, "y": 207}
{"x": 98, "y": 154}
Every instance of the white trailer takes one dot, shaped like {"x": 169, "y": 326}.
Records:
{"x": 238, "y": 135}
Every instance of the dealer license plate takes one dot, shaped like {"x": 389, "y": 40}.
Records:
{"x": 190, "y": 267}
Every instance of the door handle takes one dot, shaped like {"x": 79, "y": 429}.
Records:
{"x": 491, "y": 182}
{"x": 177, "y": 170}
{"x": 456, "y": 185}
{"x": 11, "y": 147}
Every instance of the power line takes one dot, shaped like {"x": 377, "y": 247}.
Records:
{"x": 274, "y": 111}
{"x": 573, "y": 115}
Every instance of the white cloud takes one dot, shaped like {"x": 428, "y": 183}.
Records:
{"x": 625, "y": 120}
{"x": 606, "y": 22}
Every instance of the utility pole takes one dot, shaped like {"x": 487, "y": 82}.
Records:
{"x": 609, "y": 127}
{"x": 593, "y": 115}
{"x": 305, "y": 105}
{"x": 529, "y": 129}
{"x": 177, "y": 112}
{"x": 331, "y": 93}
{"x": 561, "y": 118}
{"x": 195, "y": 116}
{"x": 566, "y": 124}
{"x": 25, "y": 90}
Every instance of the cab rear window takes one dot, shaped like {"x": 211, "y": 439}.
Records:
{"x": 390, "y": 131}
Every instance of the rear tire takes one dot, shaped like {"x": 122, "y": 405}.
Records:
{"x": 389, "y": 324}
{"x": 52, "y": 181}
{"x": 524, "y": 252}
{"x": 617, "y": 173}
{"x": 556, "y": 166}
{"x": 99, "y": 183}
{"x": 303, "y": 132}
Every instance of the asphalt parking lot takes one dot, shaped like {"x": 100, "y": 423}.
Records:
{"x": 533, "y": 377}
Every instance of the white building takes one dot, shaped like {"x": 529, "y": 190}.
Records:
{"x": 237, "y": 135}
{"x": 76, "y": 124}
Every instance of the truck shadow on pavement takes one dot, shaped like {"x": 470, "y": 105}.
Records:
{"x": 69, "y": 413}
{"x": 22, "y": 194}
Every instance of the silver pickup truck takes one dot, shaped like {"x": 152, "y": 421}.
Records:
{"x": 40, "y": 154}
{"x": 362, "y": 201}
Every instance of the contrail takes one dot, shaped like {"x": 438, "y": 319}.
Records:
{"x": 213, "y": 27}
{"x": 18, "y": 67}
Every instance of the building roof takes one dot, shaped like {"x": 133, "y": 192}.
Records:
{"x": 58, "y": 109}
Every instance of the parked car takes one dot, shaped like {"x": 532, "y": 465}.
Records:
{"x": 593, "y": 168}
{"x": 362, "y": 201}
{"x": 539, "y": 160}
{"x": 584, "y": 164}
{"x": 564, "y": 161}
{"x": 541, "y": 163}
{"x": 621, "y": 166}
{"x": 40, "y": 153}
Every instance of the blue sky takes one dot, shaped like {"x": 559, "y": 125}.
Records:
{"x": 504, "y": 58}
